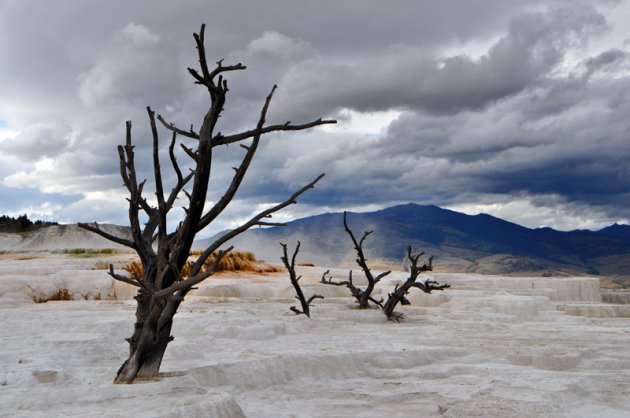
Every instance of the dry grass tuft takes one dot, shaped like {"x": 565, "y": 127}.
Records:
{"x": 241, "y": 261}
{"x": 232, "y": 261}
{"x": 61, "y": 294}
{"x": 87, "y": 252}
{"x": 134, "y": 268}
{"x": 101, "y": 265}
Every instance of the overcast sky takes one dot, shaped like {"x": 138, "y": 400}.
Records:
{"x": 520, "y": 109}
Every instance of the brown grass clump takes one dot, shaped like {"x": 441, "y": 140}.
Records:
{"x": 87, "y": 252}
{"x": 134, "y": 268}
{"x": 101, "y": 265}
{"x": 61, "y": 294}
{"x": 241, "y": 261}
{"x": 232, "y": 261}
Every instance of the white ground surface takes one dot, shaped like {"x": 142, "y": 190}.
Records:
{"x": 490, "y": 346}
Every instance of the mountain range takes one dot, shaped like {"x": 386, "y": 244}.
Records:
{"x": 459, "y": 242}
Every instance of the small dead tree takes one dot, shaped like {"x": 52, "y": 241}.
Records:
{"x": 398, "y": 295}
{"x": 363, "y": 297}
{"x": 163, "y": 254}
{"x": 295, "y": 279}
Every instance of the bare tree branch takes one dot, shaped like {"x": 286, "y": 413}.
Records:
{"x": 171, "y": 127}
{"x": 122, "y": 278}
{"x": 181, "y": 181}
{"x": 97, "y": 230}
{"x": 229, "y": 139}
{"x": 398, "y": 295}
{"x": 193, "y": 280}
{"x": 290, "y": 266}
{"x": 223, "y": 140}
{"x": 356, "y": 292}
{"x": 240, "y": 171}
{"x": 261, "y": 223}
{"x": 201, "y": 51}
{"x": 157, "y": 173}
{"x": 171, "y": 154}
{"x": 363, "y": 296}
{"x": 220, "y": 68}
{"x": 192, "y": 154}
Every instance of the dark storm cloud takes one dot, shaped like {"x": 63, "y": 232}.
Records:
{"x": 403, "y": 77}
{"x": 605, "y": 60}
{"x": 518, "y": 109}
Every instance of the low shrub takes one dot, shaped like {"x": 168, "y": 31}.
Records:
{"x": 232, "y": 261}
{"x": 87, "y": 252}
{"x": 61, "y": 294}
{"x": 101, "y": 265}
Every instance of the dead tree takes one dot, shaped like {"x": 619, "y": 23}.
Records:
{"x": 295, "y": 279}
{"x": 398, "y": 295}
{"x": 357, "y": 292}
{"x": 162, "y": 287}
{"x": 363, "y": 297}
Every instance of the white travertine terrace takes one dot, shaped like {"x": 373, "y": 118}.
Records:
{"x": 489, "y": 346}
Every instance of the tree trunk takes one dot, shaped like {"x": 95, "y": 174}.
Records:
{"x": 397, "y": 296}
{"x": 365, "y": 296}
{"x": 154, "y": 335}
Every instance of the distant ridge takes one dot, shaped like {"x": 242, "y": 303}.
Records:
{"x": 480, "y": 243}
{"x": 57, "y": 237}
{"x": 616, "y": 230}
{"x": 460, "y": 243}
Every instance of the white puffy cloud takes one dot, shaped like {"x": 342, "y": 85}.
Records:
{"x": 275, "y": 43}
{"x": 60, "y": 176}
{"x": 138, "y": 34}
{"x": 40, "y": 140}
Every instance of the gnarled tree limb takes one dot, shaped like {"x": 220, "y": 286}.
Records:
{"x": 290, "y": 266}
{"x": 363, "y": 297}
{"x": 398, "y": 295}
{"x": 97, "y": 230}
